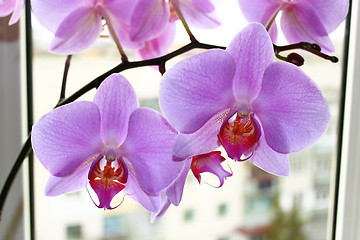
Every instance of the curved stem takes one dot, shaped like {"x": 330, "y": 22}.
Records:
{"x": 309, "y": 47}
{"x": 25, "y": 151}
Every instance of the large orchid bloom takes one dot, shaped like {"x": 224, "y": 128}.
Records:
{"x": 151, "y": 17}
{"x": 78, "y": 23}
{"x": 109, "y": 144}
{"x": 241, "y": 99}
{"x": 11, "y": 6}
{"x": 301, "y": 20}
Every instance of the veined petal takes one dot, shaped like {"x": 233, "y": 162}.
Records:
{"x": 77, "y": 31}
{"x": 67, "y": 136}
{"x": 116, "y": 100}
{"x": 331, "y": 12}
{"x": 199, "y": 14}
{"x": 292, "y": 110}
{"x": 151, "y": 202}
{"x": 300, "y": 23}
{"x": 149, "y": 19}
{"x": 77, "y": 180}
{"x": 148, "y": 147}
{"x": 51, "y": 13}
{"x": 19, "y": 6}
{"x": 175, "y": 191}
{"x": 196, "y": 88}
{"x": 209, "y": 162}
{"x": 160, "y": 45}
{"x": 203, "y": 140}
{"x": 253, "y": 52}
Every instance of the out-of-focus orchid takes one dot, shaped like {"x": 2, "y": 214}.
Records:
{"x": 11, "y": 6}
{"x": 78, "y": 23}
{"x": 109, "y": 144}
{"x": 301, "y": 20}
{"x": 209, "y": 162}
{"x": 241, "y": 99}
{"x": 159, "y": 45}
{"x": 151, "y": 17}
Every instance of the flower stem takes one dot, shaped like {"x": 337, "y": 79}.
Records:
{"x": 272, "y": 18}
{"x": 124, "y": 58}
{"x": 309, "y": 47}
{"x": 64, "y": 80}
{"x": 182, "y": 19}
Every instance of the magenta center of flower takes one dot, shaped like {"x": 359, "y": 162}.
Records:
{"x": 107, "y": 178}
{"x": 239, "y": 135}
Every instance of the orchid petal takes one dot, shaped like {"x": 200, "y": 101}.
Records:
{"x": 203, "y": 140}
{"x": 253, "y": 52}
{"x": 52, "y": 13}
{"x": 77, "y": 31}
{"x": 150, "y": 202}
{"x": 148, "y": 147}
{"x": 116, "y": 100}
{"x": 106, "y": 191}
{"x": 15, "y": 16}
{"x": 258, "y": 10}
{"x": 149, "y": 19}
{"x": 67, "y": 136}
{"x": 301, "y": 23}
{"x": 165, "y": 204}
{"x": 269, "y": 160}
{"x": 7, "y": 7}
{"x": 209, "y": 162}
{"x": 122, "y": 10}
{"x": 160, "y": 45}
{"x": 199, "y": 14}
{"x": 292, "y": 110}
{"x": 196, "y": 88}
{"x": 76, "y": 181}
{"x": 331, "y": 13}
{"x": 175, "y": 191}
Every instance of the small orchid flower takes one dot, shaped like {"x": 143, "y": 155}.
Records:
{"x": 301, "y": 20}
{"x": 151, "y": 17}
{"x": 109, "y": 144}
{"x": 11, "y": 6}
{"x": 76, "y": 24}
{"x": 209, "y": 162}
{"x": 239, "y": 98}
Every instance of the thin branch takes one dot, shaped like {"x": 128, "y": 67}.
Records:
{"x": 309, "y": 47}
{"x": 25, "y": 151}
{"x": 64, "y": 80}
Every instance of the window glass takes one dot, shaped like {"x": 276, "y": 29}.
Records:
{"x": 251, "y": 205}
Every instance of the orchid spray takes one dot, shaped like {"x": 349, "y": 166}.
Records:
{"x": 237, "y": 98}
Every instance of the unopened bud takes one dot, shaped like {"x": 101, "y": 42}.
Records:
{"x": 295, "y": 58}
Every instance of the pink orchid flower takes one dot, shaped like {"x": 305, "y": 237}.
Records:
{"x": 151, "y": 17}
{"x": 11, "y": 6}
{"x": 109, "y": 144}
{"x": 301, "y": 20}
{"x": 239, "y": 98}
{"x": 76, "y": 24}
{"x": 209, "y": 162}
